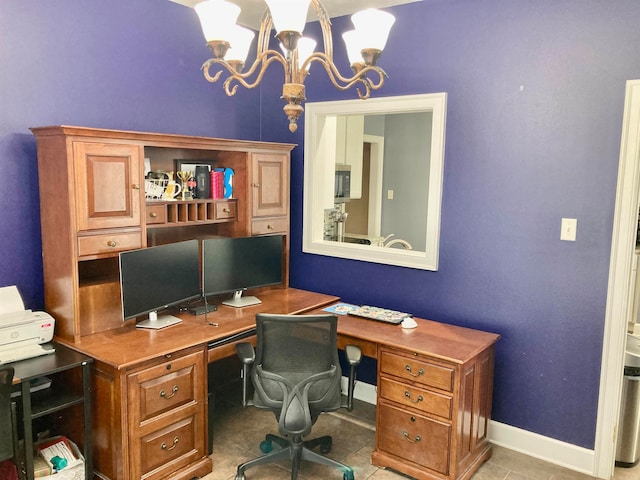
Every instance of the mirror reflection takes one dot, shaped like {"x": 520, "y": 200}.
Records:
{"x": 373, "y": 179}
{"x": 372, "y": 196}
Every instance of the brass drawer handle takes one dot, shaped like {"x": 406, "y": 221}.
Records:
{"x": 257, "y": 185}
{"x": 226, "y": 210}
{"x": 408, "y": 395}
{"x": 135, "y": 186}
{"x": 174, "y": 390}
{"x": 270, "y": 227}
{"x": 111, "y": 243}
{"x": 408, "y": 369}
{"x": 175, "y": 442}
{"x": 153, "y": 214}
{"x": 405, "y": 434}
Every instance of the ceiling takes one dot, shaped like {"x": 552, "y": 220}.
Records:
{"x": 252, "y": 10}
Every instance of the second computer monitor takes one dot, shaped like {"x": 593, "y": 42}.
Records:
{"x": 237, "y": 264}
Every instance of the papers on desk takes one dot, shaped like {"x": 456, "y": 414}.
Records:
{"x": 340, "y": 308}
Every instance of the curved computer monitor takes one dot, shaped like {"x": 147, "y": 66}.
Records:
{"x": 238, "y": 264}
{"x": 155, "y": 278}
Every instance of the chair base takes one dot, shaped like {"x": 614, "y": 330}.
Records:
{"x": 295, "y": 450}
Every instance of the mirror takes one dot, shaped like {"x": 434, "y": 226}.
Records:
{"x": 373, "y": 179}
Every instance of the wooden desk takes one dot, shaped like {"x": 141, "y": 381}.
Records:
{"x": 434, "y": 391}
{"x": 433, "y": 396}
{"x": 150, "y": 387}
{"x": 44, "y": 403}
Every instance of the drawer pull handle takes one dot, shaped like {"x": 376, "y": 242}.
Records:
{"x": 175, "y": 442}
{"x": 136, "y": 186}
{"x": 174, "y": 390}
{"x": 226, "y": 210}
{"x": 111, "y": 243}
{"x": 405, "y": 434}
{"x": 153, "y": 214}
{"x": 408, "y": 369}
{"x": 256, "y": 185}
{"x": 408, "y": 395}
{"x": 270, "y": 227}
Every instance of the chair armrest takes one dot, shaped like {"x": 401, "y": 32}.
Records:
{"x": 247, "y": 356}
{"x": 354, "y": 356}
{"x": 245, "y": 353}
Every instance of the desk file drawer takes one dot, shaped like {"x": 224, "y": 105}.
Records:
{"x": 168, "y": 444}
{"x": 415, "y": 438}
{"x": 423, "y": 400}
{"x": 417, "y": 369}
{"x": 164, "y": 387}
{"x": 108, "y": 243}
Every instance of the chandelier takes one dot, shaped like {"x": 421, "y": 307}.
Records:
{"x": 230, "y": 43}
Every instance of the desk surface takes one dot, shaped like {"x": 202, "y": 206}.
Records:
{"x": 128, "y": 345}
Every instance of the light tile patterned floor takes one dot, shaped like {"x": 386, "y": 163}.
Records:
{"x": 238, "y": 432}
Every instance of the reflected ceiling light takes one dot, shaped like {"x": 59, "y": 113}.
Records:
{"x": 230, "y": 44}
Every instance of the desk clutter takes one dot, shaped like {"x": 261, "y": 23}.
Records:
{"x": 192, "y": 181}
{"x": 58, "y": 458}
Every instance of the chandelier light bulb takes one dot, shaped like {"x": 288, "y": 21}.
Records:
{"x": 217, "y": 18}
{"x": 289, "y": 15}
{"x": 373, "y": 27}
{"x": 240, "y": 41}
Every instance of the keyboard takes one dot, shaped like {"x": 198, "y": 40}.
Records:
{"x": 15, "y": 354}
{"x": 379, "y": 314}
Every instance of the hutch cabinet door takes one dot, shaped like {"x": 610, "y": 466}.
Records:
{"x": 270, "y": 184}
{"x": 108, "y": 185}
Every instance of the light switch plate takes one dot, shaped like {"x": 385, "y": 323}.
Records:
{"x": 568, "y": 229}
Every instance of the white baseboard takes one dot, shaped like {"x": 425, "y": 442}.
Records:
{"x": 538, "y": 446}
{"x": 363, "y": 391}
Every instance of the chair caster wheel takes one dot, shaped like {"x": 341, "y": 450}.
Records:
{"x": 346, "y": 476}
{"x": 326, "y": 448}
{"x": 265, "y": 447}
{"x": 240, "y": 476}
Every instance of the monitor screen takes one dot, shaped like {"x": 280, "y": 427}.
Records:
{"x": 237, "y": 264}
{"x": 155, "y": 278}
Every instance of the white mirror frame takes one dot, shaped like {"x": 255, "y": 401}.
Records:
{"x": 319, "y": 170}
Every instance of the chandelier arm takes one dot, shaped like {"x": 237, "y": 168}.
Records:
{"x": 344, "y": 83}
{"x": 263, "y": 62}
{"x": 242, "y": 78}
{"x": 325, "y": 24}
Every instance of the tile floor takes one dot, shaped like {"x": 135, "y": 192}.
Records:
{"x": 238, "y": 432}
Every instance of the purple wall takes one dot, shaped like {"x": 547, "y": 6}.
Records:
{"x": 516, "y": 162}
{"x": 112, "y": 64}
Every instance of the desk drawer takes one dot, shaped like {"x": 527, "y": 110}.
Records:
{"x": 418, "y": 439}
{"x": 108, "y": 243}
{"x": 156, "y": 214}
{"x": 163, "y": 448}
{"x": 423, "y": 400}
{"x": 164, "y": 387}
{"x": 270, "y": 225}
{"x": 369, "y": 349}
{"x": 418, "y": 370}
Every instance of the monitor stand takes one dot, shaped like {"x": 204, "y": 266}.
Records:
{"x": 239, "y": 301}
{"x": 156, "y": 322}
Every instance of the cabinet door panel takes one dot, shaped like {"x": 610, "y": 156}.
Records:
{"x": 270, "y": 185}
{"x": 108, "y": 192}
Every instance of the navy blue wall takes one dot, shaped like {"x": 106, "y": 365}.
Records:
{"x": 536, "y": 92}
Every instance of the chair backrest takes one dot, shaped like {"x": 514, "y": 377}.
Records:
{"x": 6, "y": 423}
{"x": 297, "y": 367}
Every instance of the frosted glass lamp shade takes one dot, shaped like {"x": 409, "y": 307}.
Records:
{"x": 373, "y": 27}
{"x": 217, "y": 18}
{"x": 240, "y": 42}
{"x": 289, "y": 15}
{"x": 306, "y": 46}
{"x": 354, "y": 48}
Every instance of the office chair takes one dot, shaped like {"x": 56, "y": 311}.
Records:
{"x": 8, "y": 437}
{"x": 296, "y": 373}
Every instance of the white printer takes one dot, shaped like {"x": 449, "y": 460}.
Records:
{"x": 22, "y": 331}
